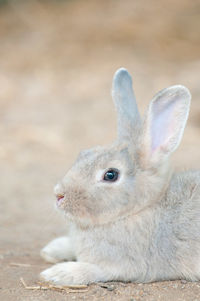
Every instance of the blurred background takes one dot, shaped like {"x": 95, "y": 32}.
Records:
{"x": 57, "y": 59}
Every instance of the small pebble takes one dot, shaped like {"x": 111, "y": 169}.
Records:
{"x": 175, "y": 285}
{"x": 109, "y": 287}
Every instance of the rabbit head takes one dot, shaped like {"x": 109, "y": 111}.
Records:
{"x": 107, "y": 183}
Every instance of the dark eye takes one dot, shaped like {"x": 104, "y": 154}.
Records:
{"x": 111, "y": 175}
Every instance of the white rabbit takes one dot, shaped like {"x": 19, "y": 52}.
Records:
{"x": 131, "y": 218}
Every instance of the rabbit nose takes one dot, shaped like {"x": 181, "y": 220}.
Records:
{"x": 60, "y": 198}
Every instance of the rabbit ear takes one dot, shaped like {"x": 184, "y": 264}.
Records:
{"x": 165, "y": 122}
{"x": 128, "y": 117}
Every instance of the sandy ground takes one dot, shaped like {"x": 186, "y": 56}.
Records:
{"x": 56, "y": 65}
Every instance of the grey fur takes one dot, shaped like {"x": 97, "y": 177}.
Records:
{"x": 145, "y": 226}
{"x": 128, "y": 117}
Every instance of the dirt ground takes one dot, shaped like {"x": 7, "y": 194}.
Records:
{"x": 57, "y": 60}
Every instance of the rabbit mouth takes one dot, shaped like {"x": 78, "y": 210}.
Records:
{"x": 74, "y": 200}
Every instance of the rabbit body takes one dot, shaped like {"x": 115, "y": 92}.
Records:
{"x": 160, "y": 243}
{"x": 144, "y": 226}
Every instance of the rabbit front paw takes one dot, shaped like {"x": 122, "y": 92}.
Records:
{"x": 59, "y": 249}
{"x": 72, "y": 273}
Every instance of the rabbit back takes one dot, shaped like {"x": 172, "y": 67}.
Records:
{"x": 182, "y": 204}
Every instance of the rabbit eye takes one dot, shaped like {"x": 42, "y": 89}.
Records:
{"x": 111, "y": 175}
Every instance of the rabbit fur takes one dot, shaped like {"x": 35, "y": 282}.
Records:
{"x": 143, "y": 227}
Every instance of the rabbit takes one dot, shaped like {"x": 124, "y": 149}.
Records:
{"x": 131, "y": 218}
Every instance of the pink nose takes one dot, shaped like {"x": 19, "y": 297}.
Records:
{"x": 59, "y": 197}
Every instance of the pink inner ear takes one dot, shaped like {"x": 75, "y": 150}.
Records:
{"x": 163, "y": 123}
